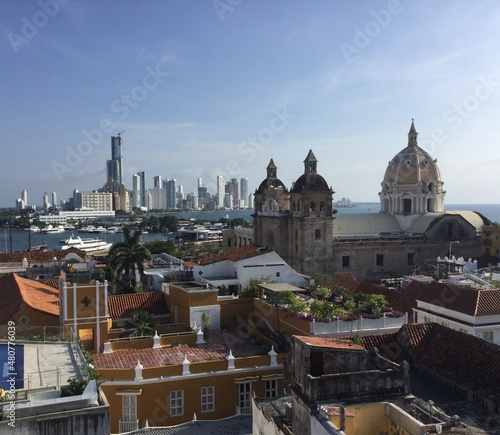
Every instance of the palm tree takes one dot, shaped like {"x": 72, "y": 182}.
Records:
{"x": 143, "y": 322}
{"x": 126, "y": 259}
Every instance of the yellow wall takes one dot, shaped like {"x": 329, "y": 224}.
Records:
{"x": 36, "y": 318}
{"x": 153, "y": 403}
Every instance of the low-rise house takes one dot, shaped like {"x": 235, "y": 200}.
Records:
{"x": 235, "y": 268}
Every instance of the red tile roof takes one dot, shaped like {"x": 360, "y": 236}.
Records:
{"x": 346, "y": 280}
{"x": 122, "y": 306}
{"x": 375, "y": 289}
{"x": 328, "y": 342}
{"x": 216, "y": 347}
{"x": 460, "y": 359}
{"x": 16, "y": 291}
{"x": 33, "y": 257}
{"x": 236, "y": 254}
{"x": 466, "y": 300}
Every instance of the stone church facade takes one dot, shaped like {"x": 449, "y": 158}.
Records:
{"x": 301, "y": 224}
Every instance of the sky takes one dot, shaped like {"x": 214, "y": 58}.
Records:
{"x": 205, "y": 88}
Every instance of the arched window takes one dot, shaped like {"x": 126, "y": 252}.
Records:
{"x": 312, "y": 206}
{"x": 322, "y": 206}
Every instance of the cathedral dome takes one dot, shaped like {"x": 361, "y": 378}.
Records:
{"x": 412, "y": 165}
{"x": 310, "y": 180}
{"x": 412, "y": 181}
{"x": 271, "y": 182}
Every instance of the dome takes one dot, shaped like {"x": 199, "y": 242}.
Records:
{"x": 311, "y": 182}
{"x": 412, "y": 165}
{"x": 272, "y": 182}
{"x": 412, "y": 183}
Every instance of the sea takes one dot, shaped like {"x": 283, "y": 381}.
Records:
{"x": 16, "y": 240}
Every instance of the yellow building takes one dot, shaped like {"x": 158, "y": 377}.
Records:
{"x": 490, "y": 241}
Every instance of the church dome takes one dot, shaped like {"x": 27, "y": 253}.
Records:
{"x": 412, "y": 182}
{"x": 412, "y": 165}
{"x": 271, "y": 182}
{"x": 310, "y": 180}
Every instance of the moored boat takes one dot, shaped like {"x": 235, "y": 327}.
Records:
{"x": 87, "y": 244}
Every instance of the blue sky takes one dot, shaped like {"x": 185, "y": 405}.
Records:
{"x": 202, "y": 88}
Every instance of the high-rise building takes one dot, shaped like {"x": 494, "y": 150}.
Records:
{"x": 45, "y": 201}
{"x": 244, "y": 192}
{"x": 115, "y": 175}
{"x": 232, "y": 189}
{"x": 99, "y": 201}
{"x": 136, "y": 191}
{"x": 220, "y": 191}
{"x": 142, "y": 178}
{"x": 157, "y": 182}
{"x": 54, "y": 199}
{"x": 170, "y": 191}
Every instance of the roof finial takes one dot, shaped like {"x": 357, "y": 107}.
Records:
{"x": 412, "y": 134}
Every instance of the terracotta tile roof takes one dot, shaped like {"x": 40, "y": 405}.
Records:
{"x": 236, "y": 254}
{"x": 346, "y": 280}
{"x": 407, "y": 299}
{"x": 329, "y": 342}
{"x": 216, "y": 347}
{"x": 33, "y": 257}
{"x": 458, "y": 358}
{"x": 122, "y": 306}
{"x": 375, "y": 289}
{"x": 16, "y": 291}
{"x": 466, "y": 300}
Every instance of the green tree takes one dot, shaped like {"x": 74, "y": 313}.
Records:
{"x": 169, "y": 222}
{"x": 162, "y": 246}
{"x": 143, "y": 323}
{"x": 127, "y": 259}
{"x": 323, "y": 311}
{"x": 321, "y": 293}
{"x": 252, "y": 290}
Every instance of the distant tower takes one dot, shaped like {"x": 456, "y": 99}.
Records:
{"x": 24, "y": 198}
{"x": 142, "y": 178}
{"x": 157, "y": 182}
{"x": 54, "y": 199}
{"x": 45, "y": 201}
{"x": 136, "y": 191}
{"x": 170, "y": 193}
{"x": 244, "y": 192}
{"x": 115, "y": 174}
{"x": 220, "y": 191}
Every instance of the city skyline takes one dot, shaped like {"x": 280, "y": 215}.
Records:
{"x": 220, "y": 88}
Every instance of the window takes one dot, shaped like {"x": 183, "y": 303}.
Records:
{"x": 129, "y": 409}
{"x": 245, "y": 398}
{"x": 345, "y": 261}
{"x": 427, "y": 319}
{"x": 380, "y": 259}
{"x": 271, "y": 388}
{"x": 488, "y": 336}
{"x": 296, "y": 234}
{"x": 207, "y": 399}
{"x": 177, "y": 403}
{"x": 229, "y": 240}
{"x": 278, "y": 274}
{"x": 410, "y": 259}
{"x": 317, "y": 234}
{"x": 406, "y": 205}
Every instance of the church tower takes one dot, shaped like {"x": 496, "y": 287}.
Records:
{"x": 271, "y": 204}
{"x": 412, "y": 182}
{"x": 311, "y": 221}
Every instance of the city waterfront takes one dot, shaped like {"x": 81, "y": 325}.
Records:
{"x": 17, "y": 240}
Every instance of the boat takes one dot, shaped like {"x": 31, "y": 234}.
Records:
{"x": 87, "y": 244}
{"x": 53, "y": 230}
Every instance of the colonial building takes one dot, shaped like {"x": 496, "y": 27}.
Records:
{"x": 301, "y": 225}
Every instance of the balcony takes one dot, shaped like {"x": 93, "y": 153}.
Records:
{"x": 128, "y": 426}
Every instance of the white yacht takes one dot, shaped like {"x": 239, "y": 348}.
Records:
{"x": 88, "y": 244}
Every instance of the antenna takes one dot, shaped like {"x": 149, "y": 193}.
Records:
{"x": 121, "y": 133}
